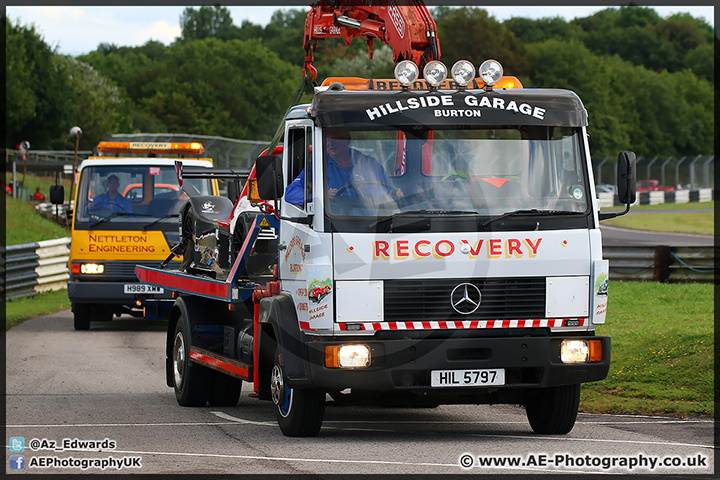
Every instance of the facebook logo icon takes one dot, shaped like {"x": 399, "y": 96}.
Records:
{"x": 17, "y": 444}
{"x": 17, "y": 462}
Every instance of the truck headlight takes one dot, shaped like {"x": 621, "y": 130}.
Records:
{"x": 347, "y": 356}
{"x": 581, "y": 351}
{"x": 92, "y": 268}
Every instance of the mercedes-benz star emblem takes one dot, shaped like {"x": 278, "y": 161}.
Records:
{"x": 465, "y": 298}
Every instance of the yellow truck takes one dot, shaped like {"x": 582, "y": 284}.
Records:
{"x": 126, "y": 206}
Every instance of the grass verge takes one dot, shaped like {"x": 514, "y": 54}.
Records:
{"x": 24, "y": 225}
{"x": 18, "y": 310}
{"x": 662, "y": 351}
{"x": 701, "y": 223}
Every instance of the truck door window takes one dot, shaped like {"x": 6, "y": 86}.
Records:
{"x": 299, "y": 168}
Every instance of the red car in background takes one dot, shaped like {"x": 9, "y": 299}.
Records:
{"x": 652, "y": 186}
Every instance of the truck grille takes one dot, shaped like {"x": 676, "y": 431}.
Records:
{"x": 429, "y": 299}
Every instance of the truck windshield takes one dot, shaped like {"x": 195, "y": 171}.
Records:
{"x": 131, "y": 194}
{"x": 476, "y": 170}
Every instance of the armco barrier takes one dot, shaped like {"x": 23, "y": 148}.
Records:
{"x": 662, "y": 264}
{"x": 657, "y": 198}
{"x": 34, "y": 267}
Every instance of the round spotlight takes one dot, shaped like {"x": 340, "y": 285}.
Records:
{"x": 406, "y": 72}
{"x": 463, "y": 72}
{"x": 490, "y": 72}
{"x": 435, "y": 73}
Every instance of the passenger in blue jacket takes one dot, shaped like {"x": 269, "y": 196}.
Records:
{"x": 363, "y": 175}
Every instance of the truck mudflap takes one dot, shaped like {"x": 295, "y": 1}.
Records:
{"x": 403, "y": 363}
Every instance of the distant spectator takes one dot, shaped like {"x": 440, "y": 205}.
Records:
{"x": 37, "y": 196}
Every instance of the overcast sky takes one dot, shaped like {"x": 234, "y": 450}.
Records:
{"x": 80, "y": 29}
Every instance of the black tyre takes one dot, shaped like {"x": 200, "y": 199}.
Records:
{"x": 553, "y": 410}
{"x": 299, "y": 411}
{"x": 81, "y": 314}
{"x": 191, "y": 381}
{"x": 225, "y": 390}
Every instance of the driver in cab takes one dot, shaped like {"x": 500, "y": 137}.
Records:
{"x": 350, "y": 173}
{"x": 112, "y": 200}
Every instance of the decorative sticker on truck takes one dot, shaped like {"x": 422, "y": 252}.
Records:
{"x": 421, "y": 249}
{"x": 471, "y": 106}
{"x": 295, "y": 256}
{"x": 320, "y": 298}
{"x": 601, "y": 270}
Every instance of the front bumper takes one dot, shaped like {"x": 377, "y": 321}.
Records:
{"x": 404, "y": 364}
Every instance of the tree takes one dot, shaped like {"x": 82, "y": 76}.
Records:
{"x": 204, "y": 23}
{"x": 235, "y": 89}
{"x": 471, "y": 34}
{"x": 534, "y": 31}
{"x": 36, "y": 95}
{"x": 97, "y": 104}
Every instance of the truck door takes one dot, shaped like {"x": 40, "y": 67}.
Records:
{"x": 298, "y": 205}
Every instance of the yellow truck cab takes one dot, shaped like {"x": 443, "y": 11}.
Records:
{"x": 126, "y": 206}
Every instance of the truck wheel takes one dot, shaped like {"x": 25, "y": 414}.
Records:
{"x": 81, "y": 314}
{"x": 299, "y": 411}
{"x": 553, "y": 410}
{"x": 225, "y": 391}
{"x": 190, "y": 381}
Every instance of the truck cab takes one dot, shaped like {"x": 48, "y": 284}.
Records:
{"x": 126, "y": 205}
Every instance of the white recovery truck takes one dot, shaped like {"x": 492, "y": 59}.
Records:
{"x": 458, "y": 258}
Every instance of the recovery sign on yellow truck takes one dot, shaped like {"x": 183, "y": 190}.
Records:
{"x": 413, "y": 243}
{"x": 127, "y": 203}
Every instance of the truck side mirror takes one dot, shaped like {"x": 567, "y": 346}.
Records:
{"x": 268, "y": 169}
{"x": 57, "y": 194}
{"x": 626, "y": 177}
{"x": 232, "y": 190}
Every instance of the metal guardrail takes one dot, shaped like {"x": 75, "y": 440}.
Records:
{"x": 31, "y": 268}
{"x": 657, "y": 198}
{"x": 662, "y": 263}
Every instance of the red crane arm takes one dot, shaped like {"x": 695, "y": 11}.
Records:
{"x": 408, "y": 28}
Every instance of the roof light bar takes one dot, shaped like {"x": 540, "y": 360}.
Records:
{"x": 191, "y": 148}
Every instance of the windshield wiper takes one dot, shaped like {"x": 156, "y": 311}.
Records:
{"x": 533, "y": 211}
{"x": 421, "y": 212}
{"x": 118, "y": 214}
{"x": 159, "y": 220}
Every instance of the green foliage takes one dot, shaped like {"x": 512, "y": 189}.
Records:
{"x": 205, "y": 23}
{"x": 24, "y": 225}
{"x": 19, "y": 309}
{"x": 37, "y": 104}
{"x": 470, "y": 33}
{"x": 380, "y": 66}
{"x": 98, "y": 103}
